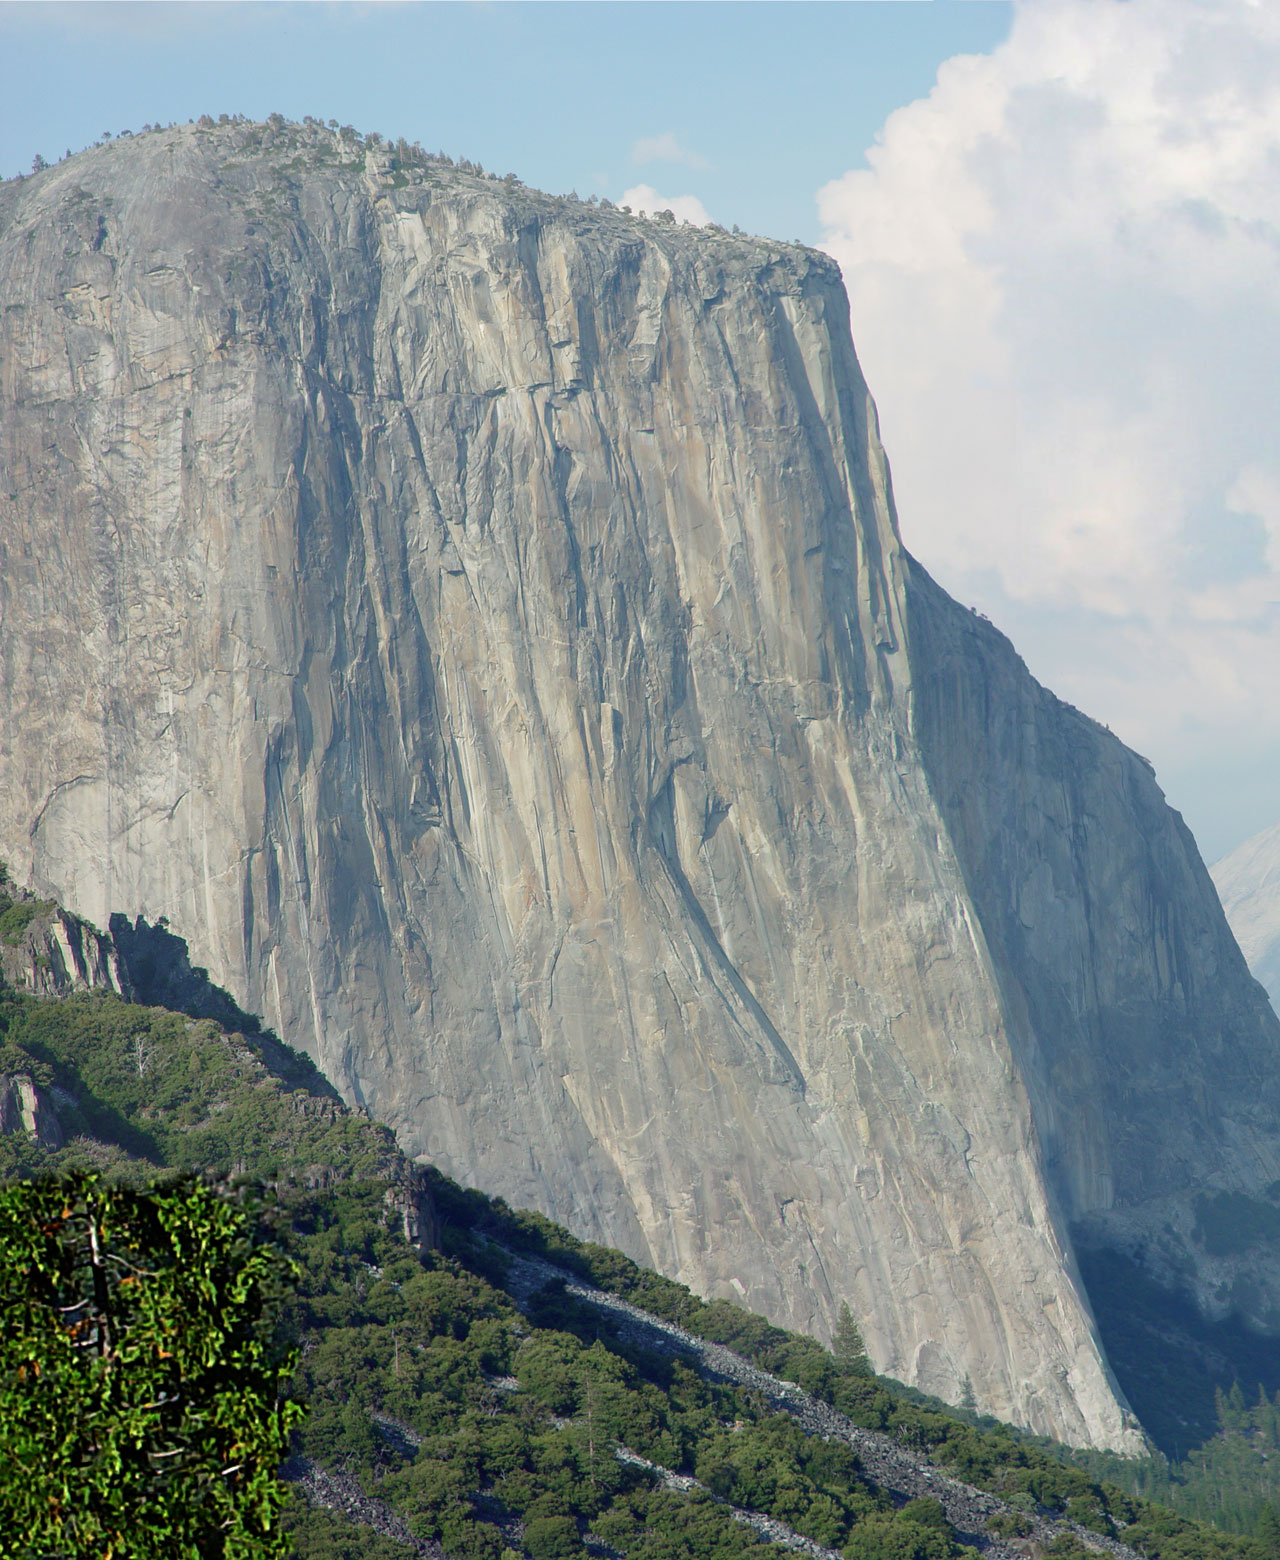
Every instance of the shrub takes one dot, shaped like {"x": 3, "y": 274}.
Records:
{"x": 553, "y": 1538}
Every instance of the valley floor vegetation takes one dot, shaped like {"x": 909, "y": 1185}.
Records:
{"x": 465, "y": 1413}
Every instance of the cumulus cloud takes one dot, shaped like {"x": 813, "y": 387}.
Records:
{"x": 646, "y": 200}
{"x": 666, "y": 148}
{"x": 1064, "y": 275}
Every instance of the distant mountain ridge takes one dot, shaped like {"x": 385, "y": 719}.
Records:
{"x": 1248, "y": 881}
{"x": 479, "y": 622}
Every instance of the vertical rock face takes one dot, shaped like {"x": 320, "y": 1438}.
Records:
{"x": 52, "y": 954}
{"x": 1149, "y": 1053}
{"x": 479, "y": 623}
{"x": 25, "y": 1107}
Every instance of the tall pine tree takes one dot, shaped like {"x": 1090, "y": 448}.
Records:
{"x": 847, "y": 1346}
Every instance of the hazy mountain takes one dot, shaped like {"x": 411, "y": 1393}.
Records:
{"x": 1248, "y": 883}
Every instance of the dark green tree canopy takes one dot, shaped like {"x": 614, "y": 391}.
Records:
{"x": 141, "y": 1373}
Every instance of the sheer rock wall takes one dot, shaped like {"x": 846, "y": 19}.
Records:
{"x": 478, "y": 622}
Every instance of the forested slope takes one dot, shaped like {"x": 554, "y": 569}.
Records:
{"x": 482, "y": 1384}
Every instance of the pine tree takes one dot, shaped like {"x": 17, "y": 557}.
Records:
{"x": 1267, "y": 1529}
{"x": 847, "y": 1346}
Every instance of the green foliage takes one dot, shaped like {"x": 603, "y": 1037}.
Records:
{"x": 893, "y": 1538}
{"x": 984, "y": 1453}
{"x": 658, "y": 1526}
{"x": 847, "y": 1348}
{"x": 1266, "y": 1529}
{"x": 927, "y": 1512}
{"x": 16, "y": 915}
{"x": 140, "y": 1375}
{"x": 553, "y": 1538}
{"x": 175, "y": 1094}
{"x": 320, "y": 1534}
{"x": 1066, "y": 1546}
{"x": 478, "y": 1421}
{"x": 411, "y": 1353}
{"x": 1009, "y": 1524}
{"x": 1233, "y": 1478}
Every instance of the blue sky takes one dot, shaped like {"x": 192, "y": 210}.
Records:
{"x": 770, "y": 100}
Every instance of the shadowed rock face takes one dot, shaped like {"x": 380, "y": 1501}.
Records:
{"x": 478, "y": 623}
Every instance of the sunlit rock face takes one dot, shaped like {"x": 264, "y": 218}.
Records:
{"x": 479, "y": 623}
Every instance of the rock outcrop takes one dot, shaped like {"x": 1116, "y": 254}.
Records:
{"x": 479, "y": 623}
{"x": 1248, "y": 881}
{"x": 50, "y": 953}
{"x": 26, "y": 1107}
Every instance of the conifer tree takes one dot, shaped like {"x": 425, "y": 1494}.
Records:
{"x": 1267, "y": 1529}
{"x": 849, "y": 1350}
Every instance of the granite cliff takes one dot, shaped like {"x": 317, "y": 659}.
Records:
{"x": 479, "y": 623}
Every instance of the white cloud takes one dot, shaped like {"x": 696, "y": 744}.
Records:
{"x": 666, "y": 148}
{"x": 1064, "y": 275}
{"x": 646, "y": 200}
